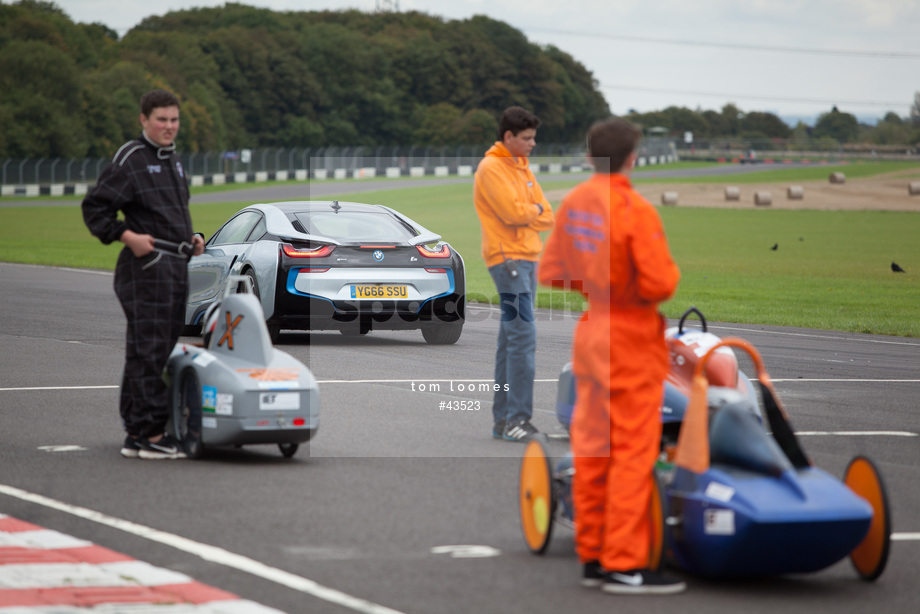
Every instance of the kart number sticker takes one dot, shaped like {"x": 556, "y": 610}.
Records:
{"x": 224, "y": 404}
{"x": 379, "y": 291}
{"x": 209, "y": 423}
{"x": 279, "y": 400}
{"x": 720, "y": 492}
{"x": 719, "y": 522}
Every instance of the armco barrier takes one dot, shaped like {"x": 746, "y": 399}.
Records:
{"x": 299, "y": 165}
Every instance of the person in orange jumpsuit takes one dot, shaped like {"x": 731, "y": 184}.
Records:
{"x": 609, "y": 244}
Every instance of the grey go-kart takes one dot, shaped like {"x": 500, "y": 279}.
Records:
{"x": 236, "y": 389}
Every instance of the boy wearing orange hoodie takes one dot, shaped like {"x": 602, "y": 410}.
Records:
{"x": 512, "y": 212}
{"x": 610, "y": 245}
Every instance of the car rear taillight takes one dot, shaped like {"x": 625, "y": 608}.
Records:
{"x": 320, "y": 252}
{"x": 442, "y": 252}
{"x": 313, "y": 269}
{"x": 436, "y": 270}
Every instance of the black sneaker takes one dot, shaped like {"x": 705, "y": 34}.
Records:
{"x": 130, "y": 449}
{"x": 165, "y": 448}
{"x": 519, "y": 431}
{"x": 641, "y": 582}
{"x": 592, "y": 574}
{"x": 498, "y": 429}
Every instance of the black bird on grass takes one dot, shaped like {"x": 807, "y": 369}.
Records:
{"x": 896, "y": 268}
{"x": 775, "y": 247}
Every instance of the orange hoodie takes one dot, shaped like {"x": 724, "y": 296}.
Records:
{"x": 505, "y": 193}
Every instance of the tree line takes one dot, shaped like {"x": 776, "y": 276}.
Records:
{"x": 833, "y": 126}
{"x": 251, "y": 77}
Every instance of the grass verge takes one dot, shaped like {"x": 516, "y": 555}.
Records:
{"x": 831, "y": 269}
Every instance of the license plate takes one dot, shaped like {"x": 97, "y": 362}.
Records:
{"x": 379, "y": 291}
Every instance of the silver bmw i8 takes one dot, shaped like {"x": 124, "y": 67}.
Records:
{"x": 329, "y": 265}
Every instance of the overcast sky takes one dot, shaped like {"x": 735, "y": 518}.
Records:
{"x": 795, "y": 58}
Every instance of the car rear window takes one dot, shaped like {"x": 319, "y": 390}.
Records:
{"x": 353, "y": 226}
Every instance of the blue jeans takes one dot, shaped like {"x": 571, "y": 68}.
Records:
{"x": 517, "y": 341}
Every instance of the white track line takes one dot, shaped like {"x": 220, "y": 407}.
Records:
{"x": 466, "y": 380}
{"x": 208, "y": 553}
{"x": 856, "y": 433}
{"x": 57, "y": 388}
{"x": 881, "y": 381}
{"x": 813, "y": 336}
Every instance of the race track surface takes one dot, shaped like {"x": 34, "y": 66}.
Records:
{"x": 369, "y": 515}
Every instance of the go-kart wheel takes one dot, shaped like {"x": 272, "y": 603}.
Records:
{"x": 658, "y": 512}
{"x": 871, "y": 555}
{"x": 537, "y": 501}
{"x": 288, "y": 449}
{"x": 186, "y": 413}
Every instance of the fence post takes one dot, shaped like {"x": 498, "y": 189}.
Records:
{"x": 53, "y": 164}
{"x": 8, "y": 160}
{"x": 21, "y": 165}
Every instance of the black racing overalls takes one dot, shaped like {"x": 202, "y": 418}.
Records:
{"x": 148, "y": 185}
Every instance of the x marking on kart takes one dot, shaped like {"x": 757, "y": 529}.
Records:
{"x": 228, "y": 336}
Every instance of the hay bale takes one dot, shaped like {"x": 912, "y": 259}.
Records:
{"x": 795, "y": 192}
{"x": 669, "y": 198}
{"x": 913, "y": 188}
{"x": 732, "y": 193}
{"x": 837, "y": 178}
{"x": 763, "y": 199}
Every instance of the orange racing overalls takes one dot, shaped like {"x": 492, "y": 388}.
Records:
{"x": 609, "y": 244}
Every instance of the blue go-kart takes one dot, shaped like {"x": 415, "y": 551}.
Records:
{"x": 737, "y": 495}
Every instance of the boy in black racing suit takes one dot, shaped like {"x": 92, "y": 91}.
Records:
{"x": 146, "y": 182}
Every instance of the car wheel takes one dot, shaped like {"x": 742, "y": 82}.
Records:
{"x": 442, "y": 334}
{"x": 186, "y": 413}
{"x": 252, "y": 280}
